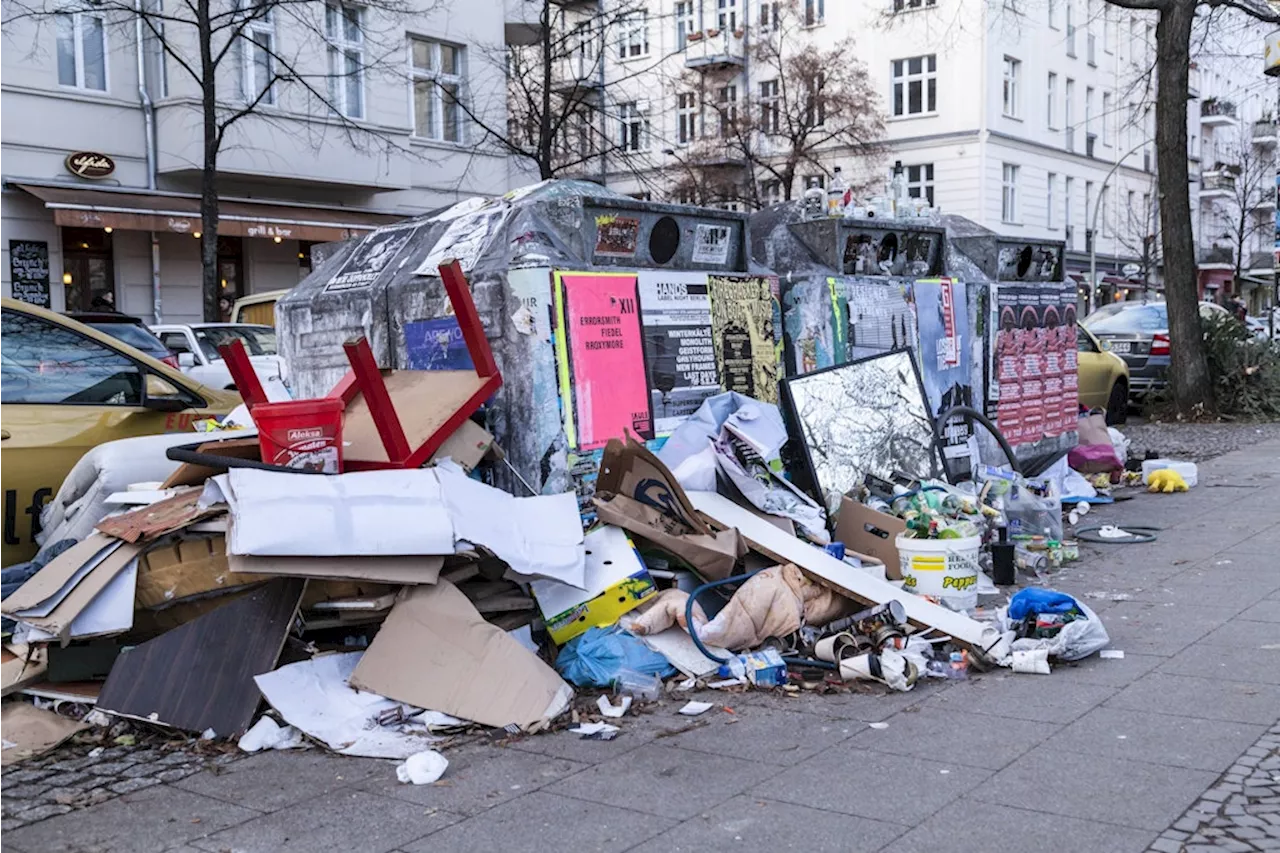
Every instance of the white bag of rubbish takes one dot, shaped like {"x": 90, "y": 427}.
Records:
{"x": 422, "y": 768}
{"x": 1120, "y": 442}
{"x": 1077, "y": 639}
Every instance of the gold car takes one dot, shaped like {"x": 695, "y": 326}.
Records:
{"x": 1103, "y": 377}
{"x": 66, "y": 389}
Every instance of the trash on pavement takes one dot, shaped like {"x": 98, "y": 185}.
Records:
{"x": 693, "y": 709}
{"x": 30, "y": 731}
{"x": 1031, "y": 661}
{"x": 267, "y": 734}
{"x": 1166, "y": 480}
{"x": 422, "y": 768}
{"x": 601, "y": 656}
{"x": 616, "y": 582}
{"x": 611, "y": 710}
{"x": 596, "y": 731}
{"x": 1186, "y": 471}
{"x": 1111, "y": 654}
{"x": 1055, "y": 622}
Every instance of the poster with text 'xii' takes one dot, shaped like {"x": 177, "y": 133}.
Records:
{"x": 601, "y": 358}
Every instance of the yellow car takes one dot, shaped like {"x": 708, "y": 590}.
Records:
{"x": 1103, "y": 377}
{"x": 66, "y": 389}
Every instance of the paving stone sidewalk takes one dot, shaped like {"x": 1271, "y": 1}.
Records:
{"x": 1171, "y": 747}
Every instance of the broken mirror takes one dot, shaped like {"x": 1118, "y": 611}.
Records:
{"x": 865, "y": 417}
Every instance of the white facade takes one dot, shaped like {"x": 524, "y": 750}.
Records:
{"x": 295, "y": 173}
{"x": 1013, "y": 113}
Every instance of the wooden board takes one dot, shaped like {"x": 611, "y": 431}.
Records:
{"x": 200, "y": 675}
{"x": 855, "y": 583}
{"x": 424, "y": 400}
{"x": 166, "y": 516}
{"x": 189, "y": 474}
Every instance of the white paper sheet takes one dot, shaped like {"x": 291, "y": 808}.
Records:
{"x": 539, "y": 536}
{"x": 110, "y": 612}
{"x": 368, "y": 513}
{"x": 313, "y": 696}
{"x": 609, "y": 559}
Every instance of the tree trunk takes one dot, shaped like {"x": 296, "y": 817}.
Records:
{"x": 209, "y": 172}
{"x": 545, "y": 146}
{"x": 1188, "y": 370}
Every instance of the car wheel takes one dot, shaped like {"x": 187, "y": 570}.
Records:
{"x": 1118, "y": 404}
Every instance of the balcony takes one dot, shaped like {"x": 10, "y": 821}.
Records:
{"x": 1215, "y": 257}
{"x": 715, "y": 49}
{"x": 1261, "y": 263}
{"x": 1217, "y": 184}
{"x": 576, "y": 74}
{"x": 1215, "y": 113}
{"x": 1266, "y": 206}
{"x": 1264, "y": 133}
{"x": 572, "y": 4}
{"x": 522, "y": 23}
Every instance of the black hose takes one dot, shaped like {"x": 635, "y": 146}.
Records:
{"x": 972, "y": 414}
{"x": 189, "y": 453}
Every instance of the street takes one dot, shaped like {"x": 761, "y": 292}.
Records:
{"x": 1175, "y": 746}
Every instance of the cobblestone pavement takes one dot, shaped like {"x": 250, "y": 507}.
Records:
{"x": 1197, "y": 442}
{"x": 1108, "y": 754}
{"x": 1240, "y": 813}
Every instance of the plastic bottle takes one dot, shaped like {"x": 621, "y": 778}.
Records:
{"x": 836, "y": 194}
{"x": 815, "y": 202}
{"x": 898, "y": 190}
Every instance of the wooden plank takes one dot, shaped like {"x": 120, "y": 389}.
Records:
{"x": 855, "y": 583}
{"x": 423, "y": 400}
{"x": 200, "y": 675}
{"x": 189, "y": 474}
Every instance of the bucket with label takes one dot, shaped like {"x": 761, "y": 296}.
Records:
{"x": 942, "y": 568}
{"x": 302, "y": 434}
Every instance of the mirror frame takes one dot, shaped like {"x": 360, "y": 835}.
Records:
{"x": 809, "y": 481}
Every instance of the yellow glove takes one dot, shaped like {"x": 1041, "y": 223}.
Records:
{"x": 1166, "y": 480}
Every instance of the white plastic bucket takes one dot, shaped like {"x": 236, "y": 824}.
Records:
{"x": 945, "y": 568}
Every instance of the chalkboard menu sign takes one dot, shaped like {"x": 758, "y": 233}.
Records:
{"x": 29, "y": 271}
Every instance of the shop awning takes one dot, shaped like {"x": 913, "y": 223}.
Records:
{"x": 74, "y": 207}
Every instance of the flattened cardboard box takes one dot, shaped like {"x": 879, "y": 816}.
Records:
{"x": 869, "y": 531}
{"x": 187, "y": 568}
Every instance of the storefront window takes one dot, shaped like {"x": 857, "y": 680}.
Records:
{"x": 88, "y": 270}
{"x": 230, "y": 275}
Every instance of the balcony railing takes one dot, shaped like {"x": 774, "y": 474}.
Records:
{"x": 715, "y": 49}
{"x": 1215, "y": 255}
{"x": 1214, "y": 113}
{"x": 1217, "y": 182}
{"x": 1264, "y": 132}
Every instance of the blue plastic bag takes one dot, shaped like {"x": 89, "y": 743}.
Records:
{"x": 595, "y": 658}
{"x": 1036, "y": 600}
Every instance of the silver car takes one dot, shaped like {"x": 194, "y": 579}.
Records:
{"x": 1138, "y": 332}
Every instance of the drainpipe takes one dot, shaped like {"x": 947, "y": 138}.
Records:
{"x": 983, "y": 134}
{"x": 603, "y": 47}
{"x": 149, "y": 127}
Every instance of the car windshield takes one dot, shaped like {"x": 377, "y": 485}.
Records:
{"x": 135, "y": 336}
{"x": 258, "y": 340}
{"x": 1118, "y": 319}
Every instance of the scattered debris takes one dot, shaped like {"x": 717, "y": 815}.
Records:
{"x": 693, "y": 709}
{"x": 422, "y": 768}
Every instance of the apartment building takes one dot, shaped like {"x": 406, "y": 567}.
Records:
{"x": 353, "y": 125}
{"x": 1034, "y": 118}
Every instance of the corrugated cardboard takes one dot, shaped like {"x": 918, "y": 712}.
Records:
{"x": 50, "y": 580}
{"x": 392, "y": 570}
{"x": 187, "y": 568}
{"x": 21, "y": 665}
{"x": 29, "y": 731}
{"x": 869, "y": 531}
{"x": 468, "y": 445}
{"x": 59, "y": 620}
{"x": 636, "y": 492}
{"x": 436, "y": 651}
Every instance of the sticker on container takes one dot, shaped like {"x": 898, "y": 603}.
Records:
{"x": 616, "y": 236}
{"x": 370, "y": 258}
{"x": 711, "y": 244}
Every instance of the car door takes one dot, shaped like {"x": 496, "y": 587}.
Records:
{"x": 1094, "y": 376}
{"x": 64, "y": 393}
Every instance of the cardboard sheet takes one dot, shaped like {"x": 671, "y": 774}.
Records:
{"x": 870, "y": 532}
{"x": 110, "y": 612}
{"x": 29, "y": 731}
{"x": 151, "y": 522}
{"x": 313, "y": 696}
{"x": 187, "y": 568}
{"x": 435, "y": 651}
{"x": 678, "y": 648}
{"x": 537, "y": 536}
{"x": 21, "y": 665}
{"x": 854, "y": 583}
{"x": 369, "y": 513}
{"x": 187, "y": 474}
{"x": 610, "y": 559}
{"x": 51, "y": 584}
{"x": 60, "y": 619}
{"x": 393, "y": 570}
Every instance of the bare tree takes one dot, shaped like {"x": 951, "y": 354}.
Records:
{"x": 807, "y": 107}
{"x": 1249, "y": 181}
{"x": 231, "y": 51}
{"x": 1189, "y": 369}
{"x": 1137, "y": 229}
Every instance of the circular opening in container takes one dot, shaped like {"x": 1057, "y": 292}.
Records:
{"x": 664, "y": 240}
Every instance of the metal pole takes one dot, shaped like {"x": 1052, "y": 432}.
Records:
{"x": 1093, "y": 226}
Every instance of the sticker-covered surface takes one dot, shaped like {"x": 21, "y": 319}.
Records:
{"x": 676, "y": 315}
{"x": 616, "y": 236}
{"x": 711, "y": 244}
{"x": 743, "y": 336}
{"x": 371, "y": 258}
{"x": 436, "y": 344}
{"x": 943, "y": 318}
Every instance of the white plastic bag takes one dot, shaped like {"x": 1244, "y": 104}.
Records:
{"x": 422, "y": 768}
{"x": 1076, "y": 641}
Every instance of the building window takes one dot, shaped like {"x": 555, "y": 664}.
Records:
{"x": 437, "y": 90}
{"x": 1050, "y": 101}
{"x": 770, "y": 115}
{"x": 686, "y": 117}
{"x": 257, "y": 52}
{"x": 910, "y": 5}
{"x": 770, "y": 192}
{"x": 1071, "y": 33}
{"x": 687, "y": 195}
{"x": 1088, "y": 214}
{"x": 815, "y": 12}
{"x": 728, "y": 109}
{"x": 1068, "y": 184}
{"x": 1134, "y": 216}
{"x": 920, "y": 182}
{"x": 153, "y": 35}
{"x": 1068, "y": 114}
{"x": 635, "y": 127}
{"x": 634, "y": 38}
{"x": 1051, "y": 184}
{"x": 769, "y": 19}
{"x": 686, "y": 23}
{"x": 1009, "y": 194}
{"x": 1106, "y": 112}
{"x": 1088, "y": 109}
{"x": 727, "y": 15}
{"x": 82, "y": 51}
{"x": 1053, "y": 14}
{"x": 1012, "y": 71}
{"x": 342, "y": 30}
{"x": 810, "y": 181}
{"x": 915, "y": 85}
{"x": 815, "y": 103}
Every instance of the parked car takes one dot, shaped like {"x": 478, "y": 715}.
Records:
{"x": 65, "y": 388}
{"x": 129, "y": 329}
{"x": 1102, "y": 376}
{"x": 259, "y": 308}
{"x": 196, "y": 345}
{"x": 1138, "y": 332}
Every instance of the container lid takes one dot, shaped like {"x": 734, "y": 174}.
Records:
{"x": 289, "y": 408}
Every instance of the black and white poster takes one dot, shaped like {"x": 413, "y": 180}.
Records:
{"x": 370, "y": 258}
{"x": 675, "y": 314}
{"x": 29, "y": 271}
